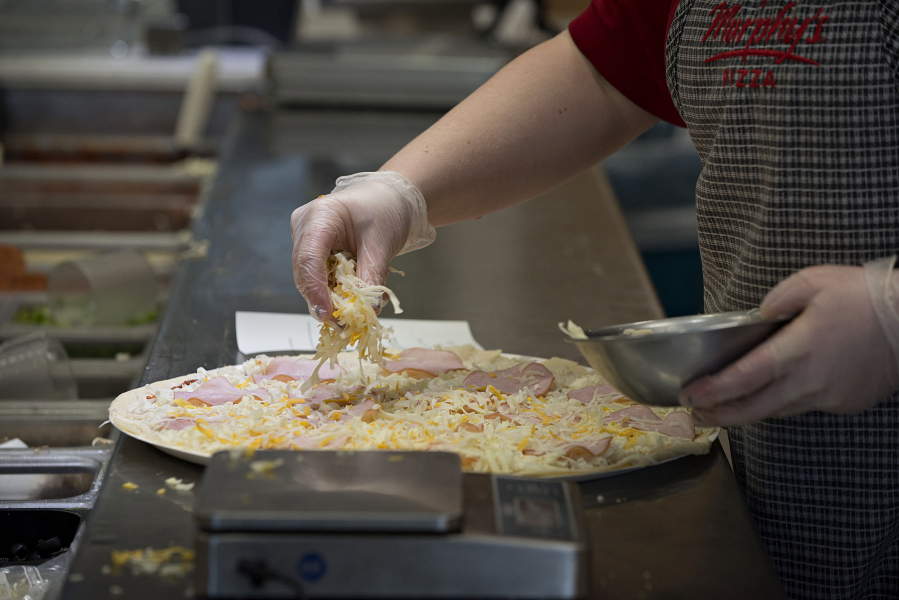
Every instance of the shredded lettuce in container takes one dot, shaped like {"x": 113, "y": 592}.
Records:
{"x": 354, "y": 304}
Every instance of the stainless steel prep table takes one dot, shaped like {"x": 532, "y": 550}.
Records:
{"x": 678, "y": 530}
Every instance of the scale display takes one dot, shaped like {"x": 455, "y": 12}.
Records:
{"x": 528, "y": 508}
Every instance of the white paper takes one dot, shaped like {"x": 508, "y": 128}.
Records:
{"x": 272, "y": 332}
{"x": 14, "y": 443}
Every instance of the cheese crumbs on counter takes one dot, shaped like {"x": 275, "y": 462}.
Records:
{"x": 264, "y": 467}
{"x": 174, "y": 561}
{"x": 178, "y": 485}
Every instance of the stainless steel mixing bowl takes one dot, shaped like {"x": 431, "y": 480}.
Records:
{"x": 656, "y": 359}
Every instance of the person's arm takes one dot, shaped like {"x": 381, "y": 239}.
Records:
{"x": 538, "y": 122}
{"x": 541, "y": 120}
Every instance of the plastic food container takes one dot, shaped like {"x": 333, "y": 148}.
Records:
{"x": 107, "y": 289}
{"x": 35, "y": 366}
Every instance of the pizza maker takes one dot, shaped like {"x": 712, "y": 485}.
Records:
{"x": 379, "y": 524}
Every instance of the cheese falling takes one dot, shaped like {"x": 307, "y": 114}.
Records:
{"x": 354, "y": 304}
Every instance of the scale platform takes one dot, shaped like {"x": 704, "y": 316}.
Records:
{"x": 379, "y": 524}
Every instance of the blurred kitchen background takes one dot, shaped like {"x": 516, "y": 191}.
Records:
{"x": 113, "y": 114}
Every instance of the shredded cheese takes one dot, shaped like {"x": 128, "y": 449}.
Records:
{"x": 573, "y": 330}
{"x": 355, "y": 305}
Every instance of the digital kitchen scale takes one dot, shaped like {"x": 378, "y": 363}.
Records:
{"x": 377, "y": 524}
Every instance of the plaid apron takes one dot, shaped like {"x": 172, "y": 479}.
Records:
{"x": 794, "y": 109}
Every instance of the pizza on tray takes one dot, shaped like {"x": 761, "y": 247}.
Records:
{"x": 501, "y": 413}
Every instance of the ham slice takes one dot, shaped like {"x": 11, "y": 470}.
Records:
{"x": 359, "y": 411}
{"x": 533, "y": 377}
{"x": 363, "y": 406}
{"x": 676, "y": 424}
{"x": 324, "y": 392}
{"x": 218, "y": 391}
{"x": 634, "y": 413}
{"x": 597, "y": 447}
{"x": 586, "y": 395}
{"x": 178, "y": 424}
{"x": 288, "y": 368}
{"x": 433, "y": 362}
{"x": 587, "y": 449}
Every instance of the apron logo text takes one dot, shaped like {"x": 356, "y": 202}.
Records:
{"x": 748, "y": 78}
{"x": 782, "y": 30}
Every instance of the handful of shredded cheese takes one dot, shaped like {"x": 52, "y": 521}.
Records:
{"x": 354, "y": 304}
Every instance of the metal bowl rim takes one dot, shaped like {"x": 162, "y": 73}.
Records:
{"x": 595, "y": 335}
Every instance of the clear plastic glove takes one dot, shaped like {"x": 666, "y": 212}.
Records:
{"x": 838, "y": 355}
{"x": 374, "y": 216}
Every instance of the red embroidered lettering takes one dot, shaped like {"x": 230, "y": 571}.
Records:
{"x": 794, "y": 39}
{"x": 746, "y": 24}
{"x": 727, "y": 78}
{"x": 784, "y": 25}
{"x": 721, "y": 21}
{"x": 756, "y": 73}
{"x": 783, "y": 29}
{"x": 818, "y": 38}
{"x": 761, "y": 29}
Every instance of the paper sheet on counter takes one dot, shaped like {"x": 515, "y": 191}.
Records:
{"x": 272, "y": 332}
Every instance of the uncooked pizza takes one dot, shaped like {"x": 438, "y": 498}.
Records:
{"x": 500, "y": 413}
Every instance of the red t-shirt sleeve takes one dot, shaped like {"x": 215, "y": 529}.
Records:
{"x": 625, "y": 41}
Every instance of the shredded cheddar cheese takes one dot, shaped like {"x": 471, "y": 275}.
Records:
{"x": 355, "y": 305}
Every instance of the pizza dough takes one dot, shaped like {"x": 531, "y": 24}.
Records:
{"x": 501, "y": 413}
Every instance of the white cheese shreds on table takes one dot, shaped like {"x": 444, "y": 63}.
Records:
{"x": 174, "y": 561}
{"x": 354, "y": 304}
{"x": 178, "y": 485}
{"x": 265, "y": 467}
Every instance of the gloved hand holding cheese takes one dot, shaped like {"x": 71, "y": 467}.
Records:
{"x": 373, "y": 216}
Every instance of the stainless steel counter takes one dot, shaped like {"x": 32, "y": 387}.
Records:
{"x": 672, "y": 531}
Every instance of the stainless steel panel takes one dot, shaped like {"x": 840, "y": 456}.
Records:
{"x": 337, "y": 491}
{"x": 351, "y": 566}
{"x": 55, "y": 424}
{"x": 377, "y": 79}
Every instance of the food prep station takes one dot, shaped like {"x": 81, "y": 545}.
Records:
{"x": 674, "y": 530}
{"x": 222, "y": 244}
